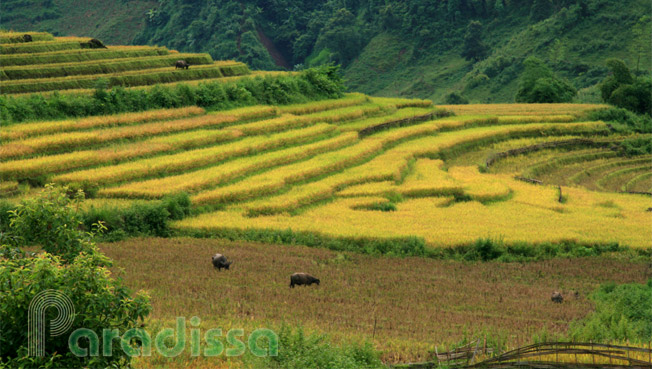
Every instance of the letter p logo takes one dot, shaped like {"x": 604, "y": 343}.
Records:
{"x": 36, "y": 319}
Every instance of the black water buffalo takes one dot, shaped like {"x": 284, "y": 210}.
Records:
{"x": 96, "y": 44}
{"x": 181, "y": 64}
{"x": 27, "y": 37}
{"x": 299, "y": 279}
{"x": 557, "y": 297}
{"x": 219, "y": 262}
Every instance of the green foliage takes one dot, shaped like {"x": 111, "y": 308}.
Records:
{"x": 51, "y": 221}
{"x": 71, "y": 265}
{"x": 473, "y": 48}
{"x": 381, "y": 206}
{"x": 492, "y": 249}
{"x": 622, "y": 313}
{"x": 540, "y": 85}
{"x": 407, "y": 246}
{"x": 140, "y": 218}
{"x": 637, "y": 146}
{"x": 342, "y": 35}
{"x": 623, "y": 120}
{"x": 541, "y": 9}
{"x": 623, "y": 90}
{"x": 312, "y": 84}
{"x": 298, "y": 350}
{"x": 455, "y": 98}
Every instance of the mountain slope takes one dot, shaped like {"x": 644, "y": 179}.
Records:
{"x": 410, "y": 48}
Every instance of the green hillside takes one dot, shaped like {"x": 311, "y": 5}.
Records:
{"x": 411, "y": 48}
{"x": 114, "y": 22}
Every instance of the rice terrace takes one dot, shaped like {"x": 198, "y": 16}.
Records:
{"x": 243, "y": 203}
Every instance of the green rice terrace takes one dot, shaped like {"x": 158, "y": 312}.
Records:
{"x": 64, "y": 63}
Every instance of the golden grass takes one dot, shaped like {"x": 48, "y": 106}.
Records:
{"x": 321, "y": 105}
{"x": 212, "y": 176}
{"x": 23, "y": 130}
{"x": 70, "y": 140}
{"x": 532, "y": 215}
{"x": 187, "y": 160}
{"x": 522, "y": 109}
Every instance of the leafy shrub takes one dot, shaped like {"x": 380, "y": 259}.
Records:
{"x": 382, "y": 206}
{"x": 623, "y": 313}
{"x": 87, "y": 188}
{"x": 623, "y": 119}
{"x": 455, "y": 98}
{"x": 624, "y": 90}
{"x": 140, "y": 218}
{"x": 298, "y": 350}
{"x": 477, "y": 80}
{"x": 5, "y": 215}
{"x": 71, "y": 265}
{"x": 540, "y": 85}
{"x": 50, "y": 221}
{"x": 637, "y": 146}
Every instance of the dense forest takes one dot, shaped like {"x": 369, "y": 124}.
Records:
{"x": 415, "y": 48}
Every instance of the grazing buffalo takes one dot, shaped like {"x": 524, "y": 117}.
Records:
{"x": 557, "y": 297}
{"x": 219, "y": 262}
{"x": 302, "y": 279}
{"x": 27, "y": 38}
{"x": 181, "y": 64}
{"x": 96, "y": 44}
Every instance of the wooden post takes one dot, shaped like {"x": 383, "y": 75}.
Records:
{"x": 475, "y": 351}
{"x": 560, "y": 195}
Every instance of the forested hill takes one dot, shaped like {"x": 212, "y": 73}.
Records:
{"x": 415, "y": 48}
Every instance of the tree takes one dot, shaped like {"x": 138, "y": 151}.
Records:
{"x": 642, "y": 39}
{"x": 620, "y": 88}
{"x": 73, "y": 267}
{"x": 455, "y": 98}
{"x": 473, "y": 48}
{"x": 540, "y": 10}
{"x": 342, "y": 36}
{"x": 540, "y": 85}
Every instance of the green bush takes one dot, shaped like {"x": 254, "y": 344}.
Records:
{"x": 50, "y": 221}
{"x": 625, "y": 91}
{"x": 637, "y": 146}
{"x": 139, "y": 219}
{"x": 455, "y": 98}
{"x": 298, "y": 351}
{"x": 71, "y": 265}
{"x": 540, "y": 85}
{"x": 622, "y": 313}
{"x": 623, "y": 119}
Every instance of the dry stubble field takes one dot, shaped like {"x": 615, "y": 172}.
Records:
{"x": 417, "y": 303}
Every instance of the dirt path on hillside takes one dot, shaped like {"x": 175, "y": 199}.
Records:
{"x": 276, "y": 55}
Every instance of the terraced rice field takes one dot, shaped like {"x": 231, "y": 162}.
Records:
{"x": 329, "y": 167}
{"x": 68, "y": 63}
